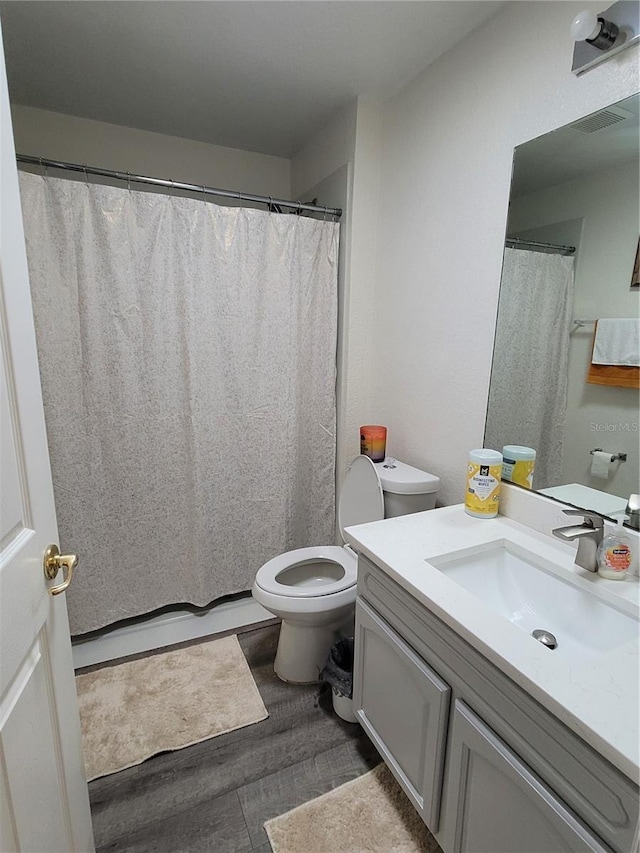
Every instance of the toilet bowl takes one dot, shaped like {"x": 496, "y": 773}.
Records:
{"x": 313, "y": 590}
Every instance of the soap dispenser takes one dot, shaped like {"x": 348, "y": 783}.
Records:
{"x": 614, "y": 554}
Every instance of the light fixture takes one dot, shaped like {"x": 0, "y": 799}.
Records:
{"x": 587, "y": 26}
{"x": 600, "y": 36}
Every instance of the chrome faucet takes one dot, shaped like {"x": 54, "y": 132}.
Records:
{"x": 633, "y": 511}
{"x": 589, "y": 535}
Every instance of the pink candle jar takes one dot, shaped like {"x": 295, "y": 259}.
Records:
{"x": 373, "y": 442}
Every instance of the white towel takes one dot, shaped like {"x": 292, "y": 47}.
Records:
{"x": 617, "y": 342}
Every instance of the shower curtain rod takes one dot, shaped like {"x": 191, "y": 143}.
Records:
{"x": 273, "y": 203}
{"x": 516, "y": 243}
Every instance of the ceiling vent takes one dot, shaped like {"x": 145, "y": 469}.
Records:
{"x": 598, "y": 121}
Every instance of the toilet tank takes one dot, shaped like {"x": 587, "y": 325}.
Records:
{"x": 406, "y": 489}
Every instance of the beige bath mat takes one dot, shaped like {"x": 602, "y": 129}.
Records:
{"x": 370, "y": 814}
{"x": 166, "y": 701}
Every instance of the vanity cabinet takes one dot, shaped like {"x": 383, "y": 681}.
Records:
{"x": 496, "y": 805}
{"x": 395, "y": 682}
{"x": 489, "y": 769}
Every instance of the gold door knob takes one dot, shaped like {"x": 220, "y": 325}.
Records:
{"x": 53, "y": 562}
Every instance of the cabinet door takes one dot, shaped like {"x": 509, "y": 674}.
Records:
{"x": 403, "y": 706}
{"x": 494, "y": 804}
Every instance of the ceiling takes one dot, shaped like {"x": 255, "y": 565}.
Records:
{"x": 260, "y": 75}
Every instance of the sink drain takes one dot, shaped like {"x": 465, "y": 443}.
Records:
{"x": 545, "y": 637}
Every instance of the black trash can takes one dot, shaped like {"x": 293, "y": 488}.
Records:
{"x": 338, "y": 672}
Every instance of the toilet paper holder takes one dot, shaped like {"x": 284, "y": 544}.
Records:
{"x": 621, "y": 457}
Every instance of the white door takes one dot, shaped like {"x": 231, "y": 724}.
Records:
{"x": 44, "y": 802}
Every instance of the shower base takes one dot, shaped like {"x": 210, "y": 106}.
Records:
{"x": 166, "y": 629}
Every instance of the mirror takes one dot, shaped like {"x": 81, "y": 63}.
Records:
{"x": 576, "y": 187}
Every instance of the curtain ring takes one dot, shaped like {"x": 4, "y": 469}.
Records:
{"x": 86, "y": 176}
{"x": 45, "y": 170}
{"x": 270, "y": 204}
{"x": 129, "y": 181}
{"x": 324, "y": 218}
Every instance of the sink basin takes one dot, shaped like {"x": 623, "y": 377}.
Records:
{"x": 525, "y": 590}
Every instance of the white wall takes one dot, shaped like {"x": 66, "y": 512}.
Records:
{"x": 357, "y": 363}
{"x": 350, "y": 146}
{"x": 427, "y": 183}
{"x": 446, "y": 170}
{"x": 329, "y": 148}
{"x": 606, "y": 205}
{"x": 42, "y": 133}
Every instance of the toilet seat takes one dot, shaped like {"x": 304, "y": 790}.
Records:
{"x": 360, "y": 501}
{"x": 338, "y": 559}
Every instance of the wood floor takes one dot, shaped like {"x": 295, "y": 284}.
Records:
{"x": 215, "y": 796}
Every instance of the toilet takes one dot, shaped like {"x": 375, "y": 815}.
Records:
{"x": 313, "y": 590}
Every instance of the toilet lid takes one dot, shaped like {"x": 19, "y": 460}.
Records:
{"x": 361, "y": 498}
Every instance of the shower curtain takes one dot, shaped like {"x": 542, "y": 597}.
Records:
{"x": 528, "y": 393}
{"x": 187, "y": 355}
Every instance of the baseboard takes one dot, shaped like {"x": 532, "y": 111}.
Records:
{"x": 169, "y": 628}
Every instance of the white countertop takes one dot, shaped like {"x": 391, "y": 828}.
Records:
{"x": 579, "y": 495}
{"x": 598, "y": 700}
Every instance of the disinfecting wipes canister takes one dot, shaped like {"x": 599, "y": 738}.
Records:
{"x": 482, "y": 494}
{"x": 518, "y": 463}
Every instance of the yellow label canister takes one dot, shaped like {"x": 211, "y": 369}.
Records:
{"x": 518, "y": 464}
{"x": 482, "y": 493}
